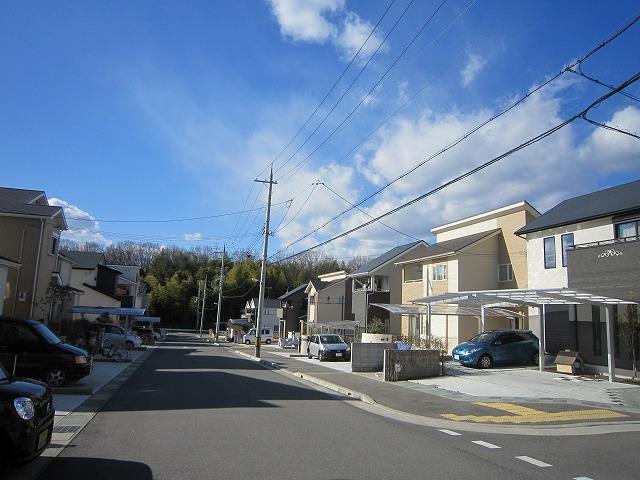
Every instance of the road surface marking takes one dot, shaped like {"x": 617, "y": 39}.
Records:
{"x": 533, "y": 461}
{"x": 450, "y": 432}
{"x": 582, "y": 478}
{"x": 485, "y": 444}
{"x": 522, "y": 414}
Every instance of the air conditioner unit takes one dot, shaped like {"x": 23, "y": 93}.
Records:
{"x": 22, "y": 296}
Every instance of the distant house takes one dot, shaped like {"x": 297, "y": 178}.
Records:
{"x": 30, "y": 231}
{"x": 479, "y": 252}
{"x": 589, "y": 243}
{"x": 129, "y": 286}
{"x": 98, "y": 281}
{"x": 380, "y": 281}
{"x": 329, "y": 298}
{"x": 271, "y": 313}
{"x": 294, "y": 309}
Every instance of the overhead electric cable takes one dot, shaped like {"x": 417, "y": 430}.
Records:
{"x": 353, "y": 81}
{"x": 608, "y": 127}
{"x": 304, "y": 204}
{"x": 475, "y": 170}
{"x": 473, "y": 130}
{"x": 595, "y": 80}
{"x": 375, "y": 85}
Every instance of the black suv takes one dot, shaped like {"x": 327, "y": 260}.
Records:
{"x": 26, "y": 419}
{"x": 29, "y": 349}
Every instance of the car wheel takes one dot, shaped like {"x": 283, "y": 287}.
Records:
{"x": 485, "y": 361}
{"x": 309, "y": 354}
{"x": 56, "y": 377}
{"x": 320, "y": 356}
{"x": 268, "y": 341}
{"x": 535, "y": 358}
{"x": 129, "y": 346}
{"x": 247, "y": 342}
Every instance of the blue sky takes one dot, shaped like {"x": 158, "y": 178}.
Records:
{"x": 162, "y": 110}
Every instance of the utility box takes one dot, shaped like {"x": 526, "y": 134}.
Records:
{"x": 568, "y": 361}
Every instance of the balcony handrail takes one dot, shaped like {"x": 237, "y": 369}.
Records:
{"x": 602, "y": 243}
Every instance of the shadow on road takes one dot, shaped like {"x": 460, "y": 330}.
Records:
{"x": 65, "y": 468}
{"x": 182, "y": 379}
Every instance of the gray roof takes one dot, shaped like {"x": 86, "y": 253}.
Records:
{"x": 384, "y": 258}
{"x": 268, "y": 303}
{"x": 284, "y": 296}
{"x": 20, "y": 202}
{"x": 603, "y": 203}
{"x": 84, "y": 260}
{"x": 450, "y": 247}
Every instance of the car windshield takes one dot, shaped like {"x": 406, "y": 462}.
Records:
{"x": 48, "y": 335}
{"x": 331, "y": 339}
{"x": 482, "y": 337}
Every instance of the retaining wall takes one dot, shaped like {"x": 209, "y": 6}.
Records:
{"x": 410, "y": 364}
{"x": 368, "y": 357}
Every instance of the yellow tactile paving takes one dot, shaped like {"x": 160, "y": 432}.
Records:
{"x": 529, "y": 415}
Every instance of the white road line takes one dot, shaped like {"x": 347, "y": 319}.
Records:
{"x": 582, "y": 478}
{"x": 485, "y": 444}
{"x": 533, "y": 461}
{"x": 449, "y": 432}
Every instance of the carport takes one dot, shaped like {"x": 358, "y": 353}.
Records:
{"x": 125, "y": 311}
{"x": 534, "y": 298}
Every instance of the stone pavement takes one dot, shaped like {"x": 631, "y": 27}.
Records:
{"x": 429, "y": 402}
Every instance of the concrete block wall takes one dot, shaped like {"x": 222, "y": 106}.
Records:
{"x": 368, "y": 357}
{"x": 410, "y": 364}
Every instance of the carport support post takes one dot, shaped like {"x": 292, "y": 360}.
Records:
{"x": 482, "y": 319}
{"x": 611, "y": 359}
{"x": 542, "y": 313}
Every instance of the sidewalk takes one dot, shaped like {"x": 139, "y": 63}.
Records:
{"x": 424, "y": 401}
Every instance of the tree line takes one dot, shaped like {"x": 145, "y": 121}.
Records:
{"x": 173, "y": 276}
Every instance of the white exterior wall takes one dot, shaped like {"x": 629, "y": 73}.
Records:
{"x": 463, "y": 231}
{"x": 585, "y": 232}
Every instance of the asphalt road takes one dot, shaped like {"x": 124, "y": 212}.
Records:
{"x": 196, "y": 411}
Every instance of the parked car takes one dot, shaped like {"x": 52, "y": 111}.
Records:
{"x": 326, "y": 346}
{"x": 29, "y": 349}
{"x": 118, "y": 336}
{"x": 498, "y": 347}
{"x": 26, "y": 423}
{"x": 266, "y": 336}
{"x": 148, "y": 336}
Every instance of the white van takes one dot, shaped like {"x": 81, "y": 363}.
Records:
{"x": 265, "y": 337}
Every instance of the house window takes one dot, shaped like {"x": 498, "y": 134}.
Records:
{"x": 382, "y": 283}
{"x": 54, "y": 245}
{"x": 505, "y": 273}
{"x": 440, "y": 271}
{"x": 627, "y": 229}
{"x": 550, "y": 252}
{"x": 412, "y": 273}
{"x": 567, "y": 242}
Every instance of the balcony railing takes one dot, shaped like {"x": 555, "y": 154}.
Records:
{"x": 603, "y": 243}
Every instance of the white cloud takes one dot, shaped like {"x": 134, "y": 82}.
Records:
{"x": 83, "y": 226}
{"x": 475, "y": 64}
{"x": 322, "y": 21}
{"x": 193, "y": 236}
{"x": 564, "y": 165}
{"x": 306, "y": 21}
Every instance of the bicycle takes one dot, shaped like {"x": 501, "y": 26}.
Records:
{"x": 111, "y": 351}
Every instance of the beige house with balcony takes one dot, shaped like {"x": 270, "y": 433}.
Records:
{"x": 30, "y": 231}
{"x": 329, "y": 298}
{"x": 480, "y": 252}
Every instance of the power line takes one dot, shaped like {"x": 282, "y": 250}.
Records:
{"x": 304, "y": 204}
{"x": 355, "y": 79}
{"x": 608, "y": 127}
{"x": 595, "y": 80}
{"x": 454, "y": 143}
{"x": 367, "y": 213}
{"x": 375, "y": 85}
{"x": 475, "y": 170}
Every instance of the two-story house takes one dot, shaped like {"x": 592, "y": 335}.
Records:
{"x": 329, "y": 298}
{"x": 294, "y": 309}
{"x": 480, "y": 252}
{"x": 271, "y": 313}
{"x": 30, "y": 231}
{"x": 590, "y": 243}
{"x": 380, "y": 281}
{"x": 129, "y": 287}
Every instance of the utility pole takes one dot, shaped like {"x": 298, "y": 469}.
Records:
{"x": 204, "y": 299}
{"x": 224, "y": 247}
{"x": 198, "y": 306}
{"x": 263, "y": 270}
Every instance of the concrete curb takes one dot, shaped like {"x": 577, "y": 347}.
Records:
{"x": 370, "y": 405}
{"x": 76, "y": 421}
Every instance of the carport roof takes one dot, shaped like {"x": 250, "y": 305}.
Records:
{"x": 530, "y": 297}
{"x": 108, "y": 310}
{"x": 442, "y": 309}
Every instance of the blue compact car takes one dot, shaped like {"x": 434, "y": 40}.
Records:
{"x": 498, "y": 347}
